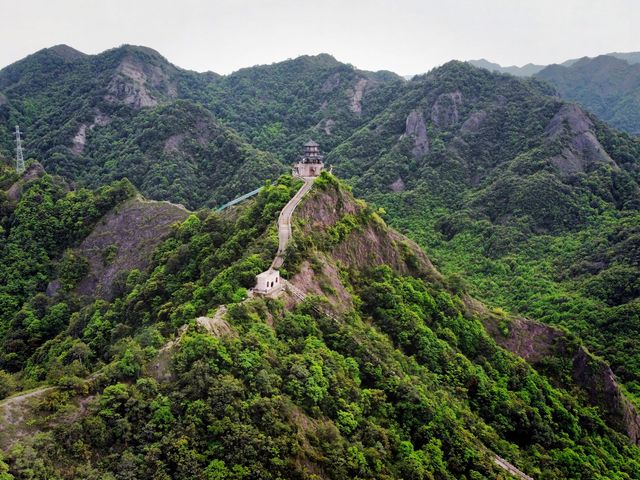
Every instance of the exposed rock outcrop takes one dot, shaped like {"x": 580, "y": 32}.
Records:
{"x": 535, "y": 342}
{"x": 584, "y": 149}
{"x": 528, "y": 339}
{"x": 216, "y": 325}
{"x": 331, "y": 83}
{"x": 415, "y": 126}
{"x": 356, "y": 95}
{"x": 80, "y": 140}
{"x": 324, "y": 282}
{"x": 599, "y": 382}
{"x": 326, "y": 125}
{"x": 123, "y": 240}
{"x": 172, "y": 144}
{"x": 200, "y": 132}
{"x": 373, "y": 244}
{"x": 474, "y": 122}
{"x": 134, "y": 82}
{"x": 444, "y": 112}
{"x": 32, "y": 172}
{"x": 398, "y": 185}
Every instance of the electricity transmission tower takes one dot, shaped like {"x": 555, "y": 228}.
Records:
{"x": 19, "y": 156}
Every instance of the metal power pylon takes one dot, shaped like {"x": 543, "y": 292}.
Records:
{"x": 19, "y": 156}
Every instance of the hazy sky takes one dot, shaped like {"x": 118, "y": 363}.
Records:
{"x": 406, "y": 36}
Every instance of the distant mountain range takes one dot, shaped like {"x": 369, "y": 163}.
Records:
{"x": 608, "y": 85}
{"x": 531, "y": 68}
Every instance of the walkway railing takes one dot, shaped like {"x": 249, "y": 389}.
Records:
{"x": 239, "y": 199}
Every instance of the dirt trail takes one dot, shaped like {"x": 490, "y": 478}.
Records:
{"x": 13, "y": 411}
{"x": 12, "y": 402}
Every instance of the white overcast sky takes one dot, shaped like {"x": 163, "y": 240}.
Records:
{"x": 405, "y": 36}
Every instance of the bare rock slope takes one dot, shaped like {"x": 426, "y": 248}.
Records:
{"x": 123, "y": 240}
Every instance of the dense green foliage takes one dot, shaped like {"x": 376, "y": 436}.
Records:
{"x": 87, "y": 125}
{"x": 176, "y": 152}
{"x": 406, "y": 385}
{"x": 279, "y": 107}
{"x": 47, "y": 219}
{"x": 83, "y": 118}
{"x": 489, "y": 205}
{"x": 607, "y": 86}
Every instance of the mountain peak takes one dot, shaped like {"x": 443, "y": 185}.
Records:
{"x": 138, "y": 51}
{"x": 66, "y": 52}
{"x": 523, "y": 71}
{"x": 324, "y": 59}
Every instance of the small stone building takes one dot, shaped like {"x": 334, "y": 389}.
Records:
{"x": 268, "y": 282}
{"x": 311, "y": 163}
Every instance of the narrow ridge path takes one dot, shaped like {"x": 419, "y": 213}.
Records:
{"x": 284, "y": 221}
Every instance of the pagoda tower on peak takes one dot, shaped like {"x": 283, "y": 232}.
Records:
{"x": 311, "y": 163}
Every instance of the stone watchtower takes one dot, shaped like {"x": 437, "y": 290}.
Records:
{"x": 311, "y": 164}
{"x": 268, "y": 282}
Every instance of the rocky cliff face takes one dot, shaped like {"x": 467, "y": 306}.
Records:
{"x": 356, "y": 95}
{"x": 607, "y": 86}
{"x": 416, "y": 128}
{"x": 598, "y": 381}
{"x": 140, "y": 84}
{"x": 536, "y": 343}
{"x": 582, "y": 150}
{"x": 124, "y": 240}
{"x": 473, "y": 123}
{"x": 444, "y": 112}
{"x": 363, "y": 248}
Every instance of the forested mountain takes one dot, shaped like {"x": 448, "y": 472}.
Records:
{"x": 129, "y": 314}
{"x": 129, "y": 113}
{"x": 531, "y": 69}
{"x": 531, "y": 199}
{"x": 96, "y": 118}
{"x": 278, "y": 107}
{"x": 523, "y": 71}
{"x": 607, "y": 86}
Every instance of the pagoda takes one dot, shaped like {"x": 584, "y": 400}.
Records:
{"x": 311, "y": 163}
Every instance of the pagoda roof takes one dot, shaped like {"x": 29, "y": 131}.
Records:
{"x": 311, "y": 143}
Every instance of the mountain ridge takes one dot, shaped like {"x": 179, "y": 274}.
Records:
{"x": 530, "y": 69}
{"x": 607, "y": 86}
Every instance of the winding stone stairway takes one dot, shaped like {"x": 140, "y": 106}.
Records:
{"x": 284, "y": 222}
